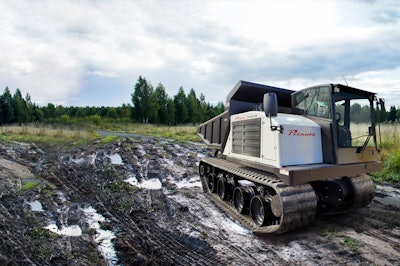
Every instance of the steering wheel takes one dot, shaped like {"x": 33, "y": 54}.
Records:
{"x": 338, "y": 117}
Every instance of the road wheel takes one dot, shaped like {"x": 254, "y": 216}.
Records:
{"x": 241, "y": 199}
{"x": 202, "y": 170}
{"x": 221, "y": 188}
{"x": 211, "y": 182}
{"x": 260, "y": 209}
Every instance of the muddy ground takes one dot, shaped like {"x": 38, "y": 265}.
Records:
{"x": 138, "y": 201}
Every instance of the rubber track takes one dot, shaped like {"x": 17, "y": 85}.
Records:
{"x": 364, "y": 190}
{"x": 299, "y": 203}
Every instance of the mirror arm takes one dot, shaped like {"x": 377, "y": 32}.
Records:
{"x": 276, "y": 128}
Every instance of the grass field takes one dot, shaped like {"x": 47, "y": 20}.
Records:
{"x": 388, "y": 136}
{"x": 51, "y": 134}
{"x": 57, "y": 134}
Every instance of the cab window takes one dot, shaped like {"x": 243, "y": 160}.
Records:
{"x": 313, "y": 102}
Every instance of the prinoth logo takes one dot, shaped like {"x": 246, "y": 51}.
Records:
{"x": 239, "y": 117}
{"x": 297, "y": 133}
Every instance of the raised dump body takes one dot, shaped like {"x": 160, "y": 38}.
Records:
{"x": 282, "y": 156}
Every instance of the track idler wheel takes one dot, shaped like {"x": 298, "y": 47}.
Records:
{"x": 241, "y": 199}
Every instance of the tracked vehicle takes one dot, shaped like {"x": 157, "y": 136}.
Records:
{"x": 281, "y": 157}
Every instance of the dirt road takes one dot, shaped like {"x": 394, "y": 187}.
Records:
{"x": 138, "y": 201}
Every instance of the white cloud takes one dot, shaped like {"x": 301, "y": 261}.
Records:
{"x": 103, "y": 74}
{"x": 55, "y": 50}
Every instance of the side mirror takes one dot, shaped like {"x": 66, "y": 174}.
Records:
{"x": 270, "y": 104}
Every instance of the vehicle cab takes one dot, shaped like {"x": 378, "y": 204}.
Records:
{"x": 347, "y": 119}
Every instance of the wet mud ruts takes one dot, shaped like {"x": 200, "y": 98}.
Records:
{"x": 173, "y": 223}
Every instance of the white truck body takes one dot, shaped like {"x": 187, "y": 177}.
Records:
{"x": 299, "y": 143}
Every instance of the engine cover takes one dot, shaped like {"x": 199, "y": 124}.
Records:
{"x": 252, "y": 138}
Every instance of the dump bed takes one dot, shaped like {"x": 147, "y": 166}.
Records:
{"x": 248, "y": 96}
{"x": 245, "y": 96}
{"x": 215, "y": 131}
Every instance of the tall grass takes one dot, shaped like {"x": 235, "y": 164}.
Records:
{"x": 388, "y": 137}
{"x": 389, "y": 140}
{"x": 52, "y": 134}
{"x": 80, "y": 132}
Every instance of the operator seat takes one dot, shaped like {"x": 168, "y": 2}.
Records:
{"x": 344, "y": 136}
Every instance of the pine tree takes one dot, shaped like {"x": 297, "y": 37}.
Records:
{"x": 162, "y": 100}
{"x": 171, "y": 111}
{"x": 7, "y": 109}
{"x": 145, "y": 106}
{"x": 203, "y": 108}
{"x": 29, "y": 107}
{"x": 181, "y": 111}
{"x": 193, "y": 105}
{"x": 20, "y": 108}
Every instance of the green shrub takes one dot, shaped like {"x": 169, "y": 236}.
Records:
{"x": 95, "y": 119}
{"x": 390, "y": 169}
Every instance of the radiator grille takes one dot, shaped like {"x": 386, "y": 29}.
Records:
{"x": 246, "y": 137}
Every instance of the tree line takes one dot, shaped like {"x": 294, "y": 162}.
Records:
{"x": 153, "y": 105}
{"x": 149, "y": 105}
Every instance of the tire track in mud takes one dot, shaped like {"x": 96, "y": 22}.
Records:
{"x": 375, "y": 231}
{"x": 197, "y": 206}
{"x": 361, "y": 237}
{"x": 170, "y": 247}
{"x": 235, "y": 244}
{"x": 161, "y": 239}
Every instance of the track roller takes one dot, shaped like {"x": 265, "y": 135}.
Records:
{"x": 211, "y": 182}
{"x": 222, "y": 187}
{"x": 259, "y": 209}
{"x": 242, "y": 197}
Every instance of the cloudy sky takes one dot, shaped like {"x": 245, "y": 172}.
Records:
{"x": 91, "y": 53}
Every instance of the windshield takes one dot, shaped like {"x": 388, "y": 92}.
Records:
{"x": 314, "y": 102}
{"x": 353, "y": 119}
